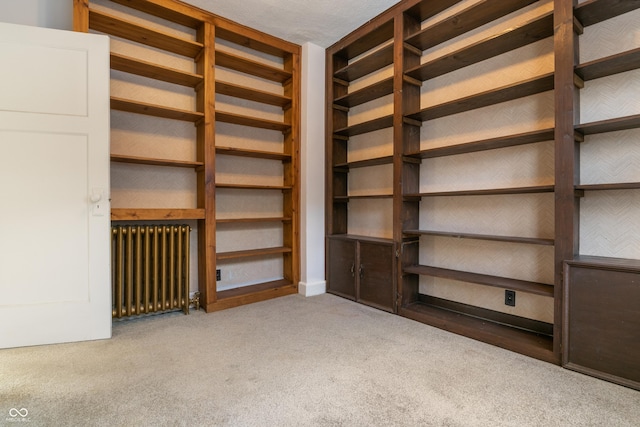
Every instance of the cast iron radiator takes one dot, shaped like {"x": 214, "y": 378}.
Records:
{"x": 149, "y": 269}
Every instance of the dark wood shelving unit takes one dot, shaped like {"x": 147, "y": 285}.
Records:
{"x": 412, "y": 36}
{"x": 599, "y": 325}
{"x": 358, "y": 267}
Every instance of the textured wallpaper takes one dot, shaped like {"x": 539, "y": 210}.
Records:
{"x": 609, "y": 219}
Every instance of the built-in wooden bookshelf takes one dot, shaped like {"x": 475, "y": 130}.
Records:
{"x": 143, "y": 23}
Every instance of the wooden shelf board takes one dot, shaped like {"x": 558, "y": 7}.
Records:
{"x": 133, "y": 214}
{"x": 491, "y": 97}
{"x": 483, "y": 279}
{"x": 426, "y": 9}
{"x": 253, "y": 186}
{"x": 593, "y": 11}
{"x": 154, "y": 71}
{"x": 254, "y": 41}
{"x": 487, "y": 192}
{"x": 189, "y": 18}
{"x": 610, "y": 65}
{"x": 250, "y": 294}
{"x": 386, "y": 160}
{"x": 221, "y": 256}
{"x": 487, "y": 144}
{"x": 361, "y": 238}
{"x": 374, "y": 38}
{"x": 605, "y": 187}
{"x": 365, "y": 127}
{"x": 521, "y": 341}
{"x": 366, "y": 65}
{"x": 511, "y": 39}
{"x": 369, "y": 93}
{"x": 254, "y": 68}
{"x": 154, "y": 110}
{"x": 611, "y": 125}
{"x": 155, "y": 162}
{"x": 238, "y": 119}
{"x": 250, "y": 94}
{"x": 472, "y": 17}
{"x": 363, "y": 197}
{"x": 250, "y": 220}
{"x": 509, "y": 239}
{"x": 241, "y": 152}
{"x": 605, "y": 262}
{"x": 115, "y": 26}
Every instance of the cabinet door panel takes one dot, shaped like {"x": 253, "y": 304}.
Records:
{"x": 342, "y": 266}
{"x": 376, "y": 275}
{"x": 603, "y": 324}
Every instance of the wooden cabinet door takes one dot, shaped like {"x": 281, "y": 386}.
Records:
{"x": 342, "y": 266}
{"x": 375, "y": 272}
{"x": 602, "y": 324}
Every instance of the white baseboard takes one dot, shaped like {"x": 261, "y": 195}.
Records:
{"x": 312, "y": 289}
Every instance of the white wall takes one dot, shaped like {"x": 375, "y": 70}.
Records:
{"x": 56, "y": 14}
{"x": 312, "y": 171}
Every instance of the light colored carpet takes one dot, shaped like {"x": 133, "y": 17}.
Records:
{"x": 295, "y": 361}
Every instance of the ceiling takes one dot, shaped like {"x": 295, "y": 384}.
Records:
{"x": 321, "y": 22}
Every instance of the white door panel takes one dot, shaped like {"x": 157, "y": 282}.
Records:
{"x": 54, "y": 154}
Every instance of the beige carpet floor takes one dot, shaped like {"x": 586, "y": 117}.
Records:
{"x": 295, "y": 361}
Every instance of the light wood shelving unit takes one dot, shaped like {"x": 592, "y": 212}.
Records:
{"x": 207, "y": 28}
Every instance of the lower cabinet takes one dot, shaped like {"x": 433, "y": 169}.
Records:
{"x": 362, "y": 269}
{"x": 601, "y": 334}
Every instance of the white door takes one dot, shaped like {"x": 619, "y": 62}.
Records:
{"x": 54, "y": 186}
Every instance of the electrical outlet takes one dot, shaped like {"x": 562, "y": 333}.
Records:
{"x": 510, "y": 298}
{"x": 218, "y": 275}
